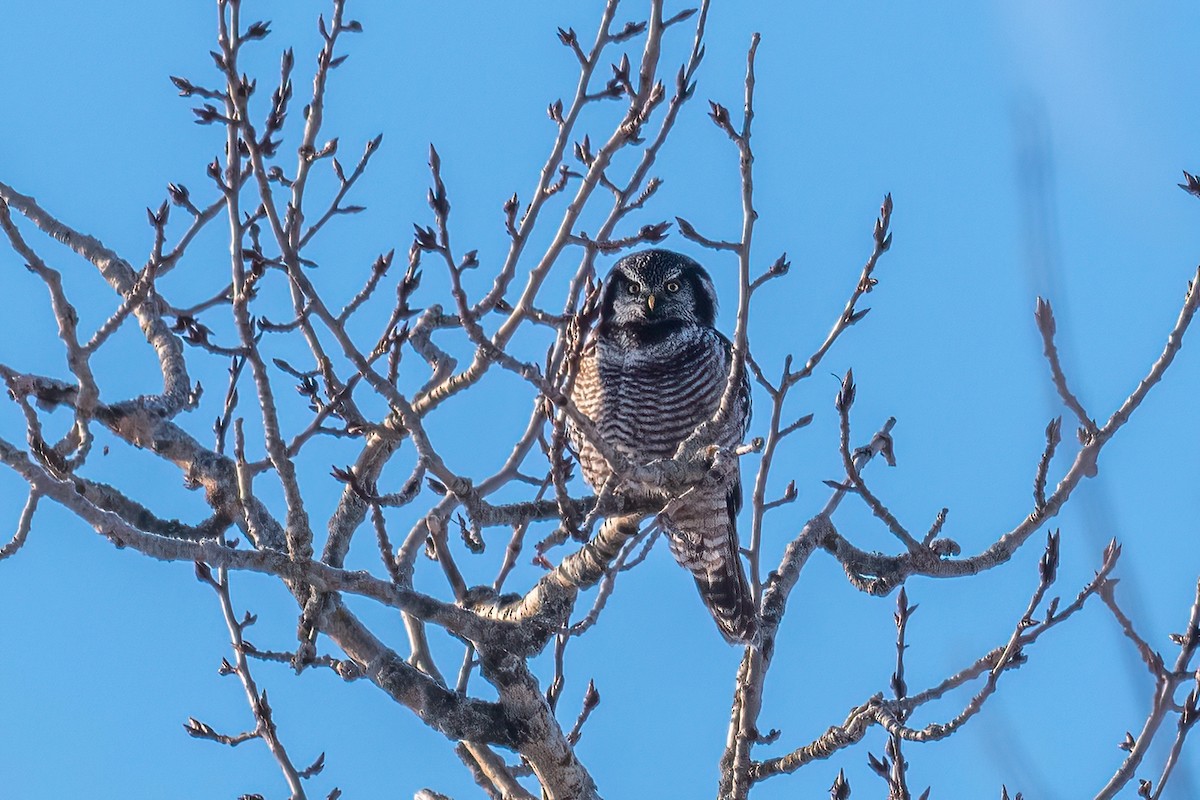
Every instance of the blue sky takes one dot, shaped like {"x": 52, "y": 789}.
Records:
{"x": 1031, "y": 149}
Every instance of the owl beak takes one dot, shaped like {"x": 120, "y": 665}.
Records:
{"x": 650, "y": 302}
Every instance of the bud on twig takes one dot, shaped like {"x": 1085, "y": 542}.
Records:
{"x": 1191, "y": 184}
{"x": 845, "y": 396}
{"x": 1048, "y": 566}
{"x": 883, "y": 239}
{"x": 204, "y": 574}
{"x": 841, "y": 787}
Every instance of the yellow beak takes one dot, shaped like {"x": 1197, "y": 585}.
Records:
{"x": 650, "y": 302}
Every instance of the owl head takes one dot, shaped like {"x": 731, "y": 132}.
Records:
{"x": 654, "y": 292}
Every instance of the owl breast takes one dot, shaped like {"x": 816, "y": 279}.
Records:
{"x": 646, "y": 400}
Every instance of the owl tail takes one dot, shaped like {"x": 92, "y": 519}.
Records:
{"x": 727, "y": 596}
{"x": 703, "y": 539}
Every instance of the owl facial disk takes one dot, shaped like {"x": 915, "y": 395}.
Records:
{"x": 657, "y": 287}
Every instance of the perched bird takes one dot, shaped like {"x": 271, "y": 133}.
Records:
{"x": 652, "y": 372}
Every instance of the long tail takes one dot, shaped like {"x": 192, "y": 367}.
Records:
{"x": 703, "y": 538}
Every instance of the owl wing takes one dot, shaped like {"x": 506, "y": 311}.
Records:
{"x": 588, "y": 397}
{"x": 744, "y": 394}
{"x": 746, "y": 408}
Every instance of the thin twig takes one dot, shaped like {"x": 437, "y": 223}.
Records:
{"x": 264, "y": 722}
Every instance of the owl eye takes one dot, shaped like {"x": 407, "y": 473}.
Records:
{"x": 632, "y": 287}
{"x": 673, "y": 286}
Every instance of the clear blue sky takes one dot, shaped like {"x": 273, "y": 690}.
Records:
{"x": 104, "y": 654}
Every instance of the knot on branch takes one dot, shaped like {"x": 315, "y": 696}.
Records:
{"x": 944, "y": 548}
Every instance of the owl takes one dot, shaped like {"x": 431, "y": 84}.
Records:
{"x": 652, "y": 372}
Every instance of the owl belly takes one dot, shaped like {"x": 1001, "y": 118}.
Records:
{"x": 645, "y": 402}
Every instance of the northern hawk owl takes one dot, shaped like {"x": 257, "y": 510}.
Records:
{"x": 653, "y": 371}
